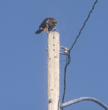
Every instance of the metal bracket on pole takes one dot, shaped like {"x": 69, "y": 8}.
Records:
{"x": 65, "y": 50}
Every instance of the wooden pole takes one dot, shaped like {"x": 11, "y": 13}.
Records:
{"x": 53, "y": 71}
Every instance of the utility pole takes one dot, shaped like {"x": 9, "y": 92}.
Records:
{"x": 53, "y": 76}
{"x": 53, "y": 71}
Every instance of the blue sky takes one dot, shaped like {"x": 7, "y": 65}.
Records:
{"x": 23, "y": 55}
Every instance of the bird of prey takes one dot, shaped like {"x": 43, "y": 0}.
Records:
{"x": 47, "y": 25}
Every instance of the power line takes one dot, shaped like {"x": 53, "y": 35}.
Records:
{"x": 68, "y": 59}
{"x": 84, "y": 24}
{"x": 84, "y": 99}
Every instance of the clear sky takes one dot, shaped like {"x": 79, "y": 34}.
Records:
{"x": 23, "y": 55}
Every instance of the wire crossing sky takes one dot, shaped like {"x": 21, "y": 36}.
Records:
{"x": 68, "y": 59}
{"x": 84, "y": 24}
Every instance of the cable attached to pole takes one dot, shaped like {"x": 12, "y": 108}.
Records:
{"x": 68, "y": 59}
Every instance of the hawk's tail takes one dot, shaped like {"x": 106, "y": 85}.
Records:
{"x": 38, "y": 31}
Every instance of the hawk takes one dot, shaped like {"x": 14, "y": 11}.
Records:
{"x": 47, "y": 25}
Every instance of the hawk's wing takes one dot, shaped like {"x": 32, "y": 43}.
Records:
{"x": 43, "y": 24}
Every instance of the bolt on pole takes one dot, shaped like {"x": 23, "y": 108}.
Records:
{"x": 53, "y": 71}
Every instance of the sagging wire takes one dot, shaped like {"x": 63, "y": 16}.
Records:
{"x": 68, "y": 59}
{"x": 84, "y": 99}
